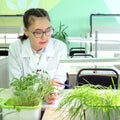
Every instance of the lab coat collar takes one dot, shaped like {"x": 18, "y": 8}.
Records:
{"x": 49, "y": 50}
{"x": 27, "y": 50}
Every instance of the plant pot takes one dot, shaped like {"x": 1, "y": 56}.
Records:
{"x": 98, "y": 114}
{"x": 25, "y": 113}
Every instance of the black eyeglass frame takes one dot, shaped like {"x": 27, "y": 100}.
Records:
{"x": 39, "y": 34}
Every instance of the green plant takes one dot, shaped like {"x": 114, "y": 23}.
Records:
{"x": 30, "y": 90}
{"x": 61, "y": 33}
{"x": 86, "y": 101}
{"x": 1, "y": 102}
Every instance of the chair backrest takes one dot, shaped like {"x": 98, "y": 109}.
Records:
{"x": 98, "y": 76}
{"x": 4, "y": 51}
{"x": 79, "y": 51}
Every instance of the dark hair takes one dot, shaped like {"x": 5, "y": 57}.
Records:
{"x": 28, "y": 17}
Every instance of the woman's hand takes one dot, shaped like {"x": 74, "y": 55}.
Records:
{"x": 52, "y": 98}
{"x": 56, "y": 83}
{"x": 55, "y": 94}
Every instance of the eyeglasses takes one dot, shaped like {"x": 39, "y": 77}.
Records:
{"x": 39, "y": 33}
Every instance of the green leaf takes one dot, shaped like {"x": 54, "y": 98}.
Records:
{"x": 61, "y": 33}
{"x": 30, "y": 89}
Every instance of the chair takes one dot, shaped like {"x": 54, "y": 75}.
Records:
{"x": 4, "y": 51}
{"x": 67, "y": 81}
{"x": 78, "y": 51}
{"x": 98, "y": 76}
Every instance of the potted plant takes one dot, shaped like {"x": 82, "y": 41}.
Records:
{"x": 89, "y": 103}
{"x": 28, "y": 93}
{"x": 61, "y": 33}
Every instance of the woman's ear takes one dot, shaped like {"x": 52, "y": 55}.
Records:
{"x": 26, "y": 31}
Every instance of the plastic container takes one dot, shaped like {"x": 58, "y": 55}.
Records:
{"x": 25, "y": 113}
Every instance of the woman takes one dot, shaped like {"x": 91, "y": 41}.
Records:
{"x": 36, "y": 50}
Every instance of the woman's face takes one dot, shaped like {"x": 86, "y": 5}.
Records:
{"x": 39, "y": 32}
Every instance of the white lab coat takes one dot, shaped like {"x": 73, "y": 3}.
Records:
{"x": 22, "y": 60}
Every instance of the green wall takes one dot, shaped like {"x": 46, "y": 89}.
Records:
{"x": 73, "y": 13}
{"x": 76, "y": 13}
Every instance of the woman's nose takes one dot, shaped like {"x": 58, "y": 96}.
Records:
{"x": 43, "y": 36}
